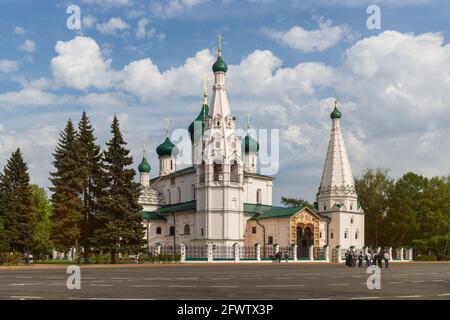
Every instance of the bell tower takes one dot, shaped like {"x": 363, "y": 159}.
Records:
{"x": 220, "y": 190}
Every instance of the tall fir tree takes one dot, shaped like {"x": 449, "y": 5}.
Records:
{"x": 67, "y": 215}
{"x": 42, "y": 245}
{"x": 120, "y": 223}
{"x": 18, "y": 213}
{"x": 90, "y": 169}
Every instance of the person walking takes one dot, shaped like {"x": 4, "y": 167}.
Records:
{"x": 360, "y": 259}
{"x": 380, "y": 260}
{"x": 286, "y": 256}
{"x": 386, "y": 259}
{"x": 368, "y": 258}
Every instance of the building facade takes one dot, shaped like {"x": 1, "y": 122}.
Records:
{"x": 222, "y": 199}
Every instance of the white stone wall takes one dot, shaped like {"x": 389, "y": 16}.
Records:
{"x": 341, "y": 225}
{"x": 252, "y": 185}
{"x": 278, "y": 228}
{"x": 184, "y": 183}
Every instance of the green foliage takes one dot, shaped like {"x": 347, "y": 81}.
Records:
{"x": 149, "y": 258}
{"x": 373, "y": 189}
{"x": 67, "y": 217}
{"x": 89, "y": 167}
{"x": 16, "y": 211}
{"x": 13, "y": 258}
{"x": 295, "y": 202}
{"x": 41, "y": 246}
{"x": 120, "y": 227}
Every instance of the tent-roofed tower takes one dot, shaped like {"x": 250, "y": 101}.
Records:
{"x": 336, "y": 197}
{"x": 219, "y": 187}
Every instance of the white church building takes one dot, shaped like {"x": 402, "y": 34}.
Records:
{"x": 221, "y": 199}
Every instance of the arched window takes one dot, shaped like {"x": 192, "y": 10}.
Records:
{"x": 346, "y": 234}
{"x": 172, "y": 231}
{"x": 169, "y": 196}
{"x": 187, "y": 229}
{"x": 179, "y": 194}
{"x": 193, "y": 191}
{"x": 218, "y": 169}
{"x": 258, "y": 196}
{"x": 202, "y": 172}
{"x": 234, "y": 174}
{"x": 158, "y": 230}
{"x": 357, "y": 235}
{"x": 171, "y": 164}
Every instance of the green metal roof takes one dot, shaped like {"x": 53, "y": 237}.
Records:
{"x": 336, "y": 114}
{"x": 250, "y": 144}
{"x": 263, "y": 211}
{"x": 147, "y": 215}
{"x": 220, "y": 65}
{"x": 197, "y": 127}
{"x": 144, "y": 166}
{"x": 166, "y": 148}
{"x": 257, "y": 175}
{"x": 183, "y": 206}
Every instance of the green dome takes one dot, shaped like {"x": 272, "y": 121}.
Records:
{"x": 336, "y": 114}
{"x": 250, "y": 144}
{"x": 167, "y": 148}
{"x": 144, "y": 167}
{"x": 220, "y": 65}
{"x": 199, "y": 121}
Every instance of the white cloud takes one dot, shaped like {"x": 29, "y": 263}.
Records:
{"x": 320, "y": 39}
{"x": 19, "y": 30}
{"x": 29, "y": 97}
{"x": 112, "y": 26}
{"x": 8, "y": 65}
{"x": 141, "y": 31}
{"x": 28, "y": 46}
{"x": 172, "y": 8}
{"x": 108, "y": 3}
{"x": 80, "y": 64}
{"x": 88, "y": 21}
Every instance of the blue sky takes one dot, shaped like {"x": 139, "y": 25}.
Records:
{"x": 142, "y": 60}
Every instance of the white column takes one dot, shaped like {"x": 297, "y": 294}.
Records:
{"x": 258, "y": 252}
{"x": 158, "y": 250}
{"x": 410, "y": 254}
{"x": 294, "y": 252}
{"x": 210, "y": 252}
{"x": 401, "y": 253}
{"x": 339, "y": 257}
{"x": 311, "y": 253}
{"x": 277, "y": 248}
{"x": 327, "y": 253}
{"x": 390, "y": 253}
{"x": 182, "y": 252}
{"x": 236, "y": 252}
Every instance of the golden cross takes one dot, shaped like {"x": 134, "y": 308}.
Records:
{"x": 168, "y": 123}
{"x": 248, "y": 120}
{"x": 205, "y": 84}
{"x": 219, "y": 44}
{"x": 336, "y": 98}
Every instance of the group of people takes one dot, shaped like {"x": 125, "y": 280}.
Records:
{"x": 372, "y": 257}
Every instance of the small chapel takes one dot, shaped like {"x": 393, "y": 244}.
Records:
{"x": 222, "y": 199}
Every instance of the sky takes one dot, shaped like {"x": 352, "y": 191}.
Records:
{"x": 143, "y": 61}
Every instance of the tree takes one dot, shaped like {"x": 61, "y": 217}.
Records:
{"x": 67, "y": 217}
{"x": 41, "y": 245}
{"x": 295, "y": 202}
{"x": 90, "y": 169}
{"x": 373, "y": 190}
{"x": 120, "y": 224}
{"x": 18, "y": 213}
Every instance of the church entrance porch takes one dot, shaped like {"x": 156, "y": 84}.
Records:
{"x": 305, "y": 239}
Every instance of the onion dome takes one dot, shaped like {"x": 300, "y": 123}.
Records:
{"x": 167, "y": 148}
{"x": 250, "y": 145}
{"x": 144, "y": 167}
{"x": 197, "y": 127}
{"x": 336, "y": 114}
{"x": 220, "y": 65}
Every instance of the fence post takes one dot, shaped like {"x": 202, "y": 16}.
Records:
{"x": 182, "y": 252}
{"x": 294, "y": 252}
{"x": 339, "y": 257}
{"x": 210, "y": 252}
{"x": 327, "y": 253}
{"x": 402, "y": 250}
{"x": 311, "y": 252}
{"x": 277, "y": 248}
{"x": 158, "y": 249}
{"x": 258, "y": 252}
{"x": 236, "y": 252}
{"x": 410, "y": 254}
{"x": 390, "y": 253}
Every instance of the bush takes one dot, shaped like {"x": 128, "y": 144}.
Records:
{"x": 10, "y": 258}
{"x": 159, "y": 258}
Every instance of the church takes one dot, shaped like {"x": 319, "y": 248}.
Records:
{"x": 221, "y": 199}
